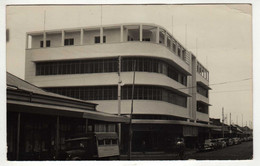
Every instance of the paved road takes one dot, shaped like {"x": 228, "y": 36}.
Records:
{"x": 242, "y": 151}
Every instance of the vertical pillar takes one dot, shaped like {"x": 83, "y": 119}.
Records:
{"x": 165, "y": 39}
{"x": 157, "y": 35}
{"x": 81, "y": 36}
{"x": 62, "y": 37}
{"x": 181, "y": 53}
{"x": 121, "y": 33}
{"x": 86, "y": 129}
{"x": 177, "y": 46}
{"x": 126, "y": 34}
{"x": 141, "y": 32}
{"x": 44, "y": 39}
{"x": 18, "y": 136}
{"x": 57, "y": 137}
{"x": 101, "y": 34}
{"x": 171, "y": 43}
{"x": 26, "y": 41}
{"x": 119, "y": 98}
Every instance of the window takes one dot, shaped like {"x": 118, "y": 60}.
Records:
{"x": 174, "y": 47}
{"x": 179, "y": 52}
{"x": 97, "y": 39}
{"x": 203, "y": 108}
{"x": 48, "y": 43}
{"x": 202, "y": 90}
{"x": 101, "y": 142}
{"x": 108, "y": 142}
{"x": 146, "y": 39}
{"x": 114, "y": 141}
{"x": 143, "y": 64}
{"x": 68, "y": 42}
{"x": 142, "y": 92}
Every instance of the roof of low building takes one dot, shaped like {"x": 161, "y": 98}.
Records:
{"x": 25, "y": 94}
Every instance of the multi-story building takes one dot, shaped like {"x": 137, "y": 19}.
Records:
{"x": 171, "y": 86}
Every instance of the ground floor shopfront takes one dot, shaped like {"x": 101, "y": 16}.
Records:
{"x": 162, "y": 137}
{"x": 42, "y": 136}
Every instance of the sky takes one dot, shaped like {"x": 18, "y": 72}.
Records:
{"x": 220, "y": 36}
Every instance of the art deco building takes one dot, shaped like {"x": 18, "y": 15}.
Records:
{"x": 171, "y": 86}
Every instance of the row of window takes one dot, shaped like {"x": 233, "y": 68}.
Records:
{"x": 110, "y": 93}
{"x": 202, "y": 90}
{"x": 110, "y": 65}
{"x": 203, "y": 108}
{"x": 202, "y": 71}
{"x": 105, "y": 128}
{"x": 70, "y": 41}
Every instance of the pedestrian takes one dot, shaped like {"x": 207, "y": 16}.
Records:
{"x": 180, "y": 148}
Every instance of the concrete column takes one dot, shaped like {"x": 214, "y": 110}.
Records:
{"x": 181, "y": 53}
{"x": 194, "y": 87}
{"x": 62, "y": 37}
{"x": 18, "y": 136}
{"x": 57, "y": 137}
{"x": 141, "y": 32}
{"x": 177, "y": 46}
{"x": 26, "y": 40}
{"x": 81, "y": 36}
{"x": 157, "y": 35}
{"x": 44, "y": 39}
{"x": 171, "y": 43}
{"x": 121, "y": 33}
{"x": 101, "y": 34}
{"x": 165, "y": 39}
{"x": 86, "y": 130}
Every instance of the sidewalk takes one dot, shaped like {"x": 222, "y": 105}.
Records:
{"x": 156, "y": 155}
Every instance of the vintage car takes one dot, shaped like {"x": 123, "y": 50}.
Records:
{"x": 221, "y": 143}
{"x": 93, "y": 146}
{"x": 209, "y": 144}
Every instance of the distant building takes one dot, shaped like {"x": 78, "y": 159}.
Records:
{"x": 39, "y": 122}
{"x": 171, "y": 86}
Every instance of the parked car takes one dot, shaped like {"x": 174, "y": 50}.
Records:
{"x": 222, "y": 142}
{"x": 208, "y": 144}
{"x": 93, "y": 146}
{"x": 218, "y": 143}
{"x": 236, "y": 141}
{"x": 250, "y": 138}
{"x": 230, "y": 142}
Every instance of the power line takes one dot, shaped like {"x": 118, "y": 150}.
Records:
{"x": 233, "y": 91}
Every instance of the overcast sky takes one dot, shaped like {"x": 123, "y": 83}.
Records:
{"x": 223, "y": 35}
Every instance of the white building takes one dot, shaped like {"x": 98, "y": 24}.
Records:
{"x": 171, "y": 86}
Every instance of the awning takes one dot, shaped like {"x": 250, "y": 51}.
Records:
{"x": 204, "y": 85}
{"x": 38, "y": 108}
{"x": 174, "y": 122}
{"x": 204, "y": 103}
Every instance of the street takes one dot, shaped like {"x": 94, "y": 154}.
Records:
{"x": 243, "y": 151}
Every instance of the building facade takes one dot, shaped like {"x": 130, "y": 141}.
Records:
{"x": 97, "y": 63}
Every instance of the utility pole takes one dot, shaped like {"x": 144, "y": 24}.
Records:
{"x": 242, "y": 121}
{"x": 130, "y": 124}
{"x": 119, "y": 98}
{"x": 230, "y": 123}
{"x": 222, "y": 122}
